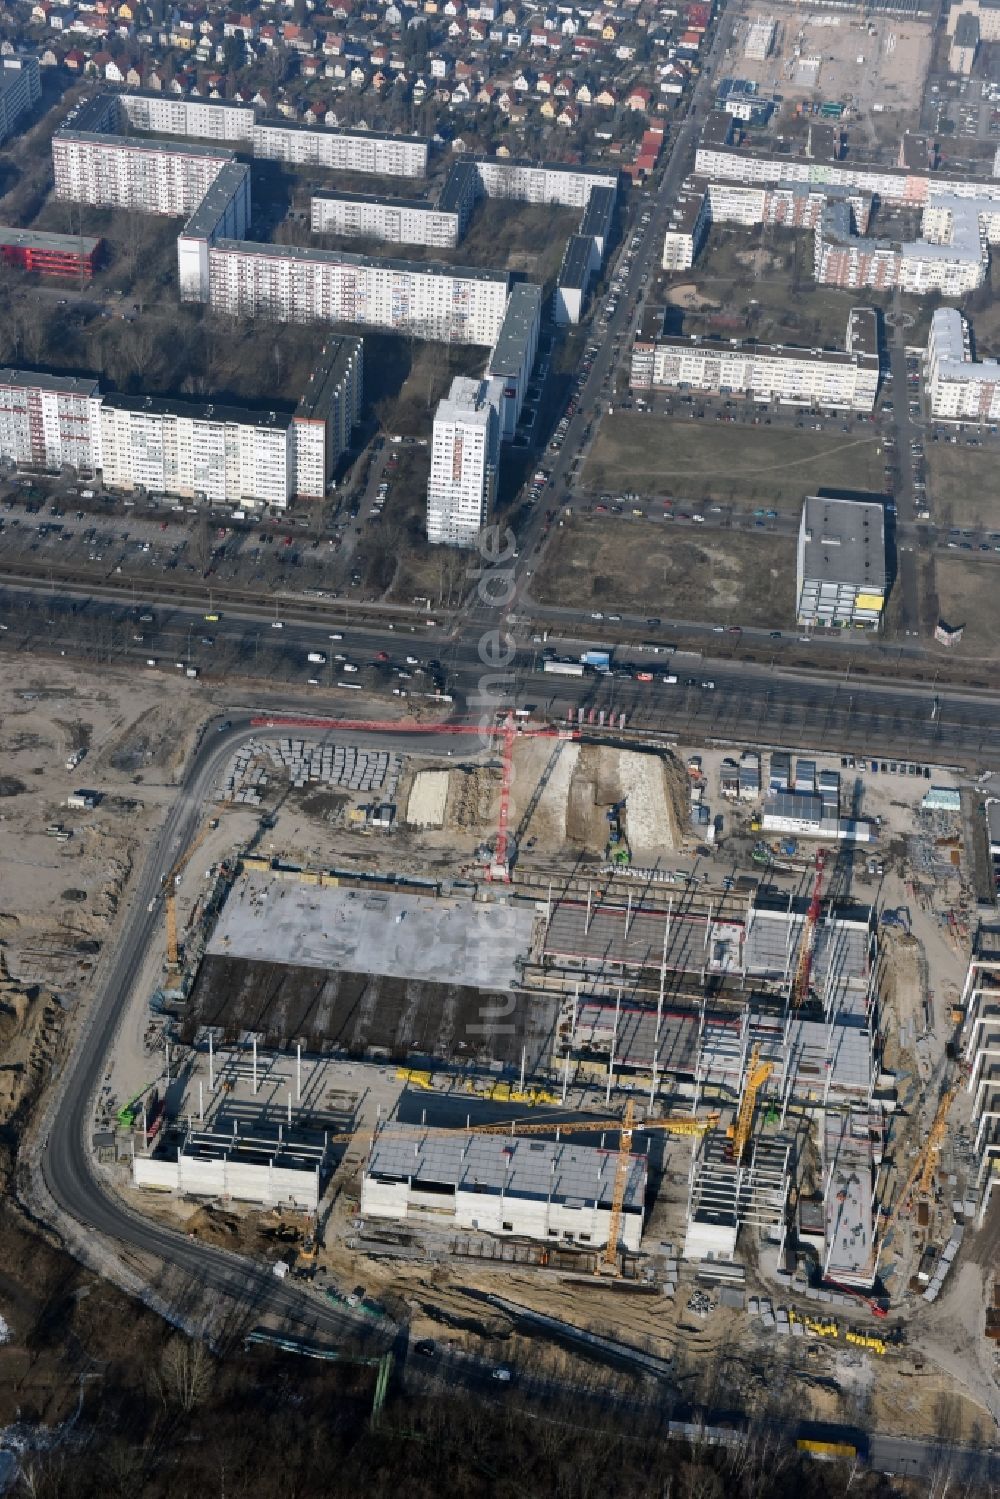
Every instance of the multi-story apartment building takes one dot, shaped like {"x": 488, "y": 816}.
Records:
{"x": 343, "y": 150}
{"x": 690, "y": 218}
{"x": 223, "y": 454}
{"x": 579, "y": 263}
{"x": 223, "y": 213}
{"x": 451, "y": 303}
{"x": 541, "y": 182}
{"x": 202, "y": 450}
{"x": 328, "y": 409}
{"x": 793, "y": 205}
{"x": 840, "y": 563}
{"x": 151, "y": 176}
{"x": 398, "y": 221}
{"x": 959, "y": 387}
{"x": 20, "y": 91}
{"x": 512, "y": 357}
{"x": 951, "y": 258}
{"x": 832, "y": 380}
{"x": 465, "y": 457}
{"x": 48, "y": 421}
{"x": 204, "y": 119}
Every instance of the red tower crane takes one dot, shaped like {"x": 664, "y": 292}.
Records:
{"x": 507, "y": 729}
{"x": 803, "y": 970}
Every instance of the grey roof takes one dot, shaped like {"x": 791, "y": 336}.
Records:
{"x": 40, "y": 239}
{"x": 335, "y": 356}
{"x": 463, "y": 179}
{"x": 966, "y": 31}
{"x": 280, "y": 123}
{"x": 844, "y": 541}
{"x": 803, "y": 805}
{"x": 863, "y": 331}
{"x": 91, "y": 115}
{"x": 418, "y": 205}
{"x": 218, "y": 198}
{"x": 66, "y": 384}
{"x": 519, "y": 322}
{"x": 344, "y": 257}
{"x": 599, "y": 211}
{"x": 198, "y": 411}
{"x": 575, "y": 269}
{"x": 152, "y": 144}
{"x": 520, "y": 1167}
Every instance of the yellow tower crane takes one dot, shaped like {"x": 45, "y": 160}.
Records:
{"x": 609, "y": 1260}
{"x": 756, "y": 1078}
{"x": 921, "y": 1176}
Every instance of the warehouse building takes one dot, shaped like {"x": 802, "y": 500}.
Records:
{"x": 834, "y": 380}
{"x": 43, "y": 254}
{"x": 516, "y": 1187}
{"x": 20, "y": 91}
{"x": 841, "y": 563}
{"x": 273, "y": 1166}
{"x": 959, "y": 387}
{"x": 513, "y": 355}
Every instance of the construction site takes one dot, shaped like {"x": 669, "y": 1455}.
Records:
{"x": 554, "y": 1002}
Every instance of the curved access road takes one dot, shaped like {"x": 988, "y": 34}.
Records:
{"x": 66, "y": 1161}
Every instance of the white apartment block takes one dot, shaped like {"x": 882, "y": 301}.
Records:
{"x": 20, "y": 91}
{"x": 465, "y": 457}
{"x": 110, "y": 171}
{"x": 49, "y": 421}
{"x": 827, "y": 379}
{"x": 223, "y": 213}
{"x": 449, "y": 303}
{"x": 220, "y": 454}
{"x": 512, "y": 357}
{"x": 960, "y": 388}
{"x": 399, "y": 221}
{"x": 204, "y": 119}
{"x": 541, "y": 182}
{"x": 201, "y": 450}
{"x": 343, "y": 150}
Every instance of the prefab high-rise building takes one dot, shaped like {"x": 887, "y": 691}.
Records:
{"x": 465, "y": 456}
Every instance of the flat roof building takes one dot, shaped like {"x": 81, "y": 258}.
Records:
{"x": 20, "y": 91}
{"x": 960, "y": 388}
{"x": 465, "y": 461}
{"x": 44, "y": 254}
{"x": 513, "y": 355}
{"x": 580, "y": 261}
{"x": 841, "y": 574}
{"x": 517, "y": 1187}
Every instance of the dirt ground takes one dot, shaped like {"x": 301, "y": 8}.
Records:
{"x": 967, "y": 595}
{"x": 694, "y": 461}
{"x": 729, "y": 579}
{"x": 962, "y": 484}
{"x": 61, "y": 896}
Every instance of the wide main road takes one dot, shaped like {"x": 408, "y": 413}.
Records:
{"x": 769, "y": 705}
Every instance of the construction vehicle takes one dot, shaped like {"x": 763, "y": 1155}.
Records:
{"x": 128, "y": 1113}
{"x": 507, "y": 729}
{"x": 739, "y": 1133}
{"x": 807, "y": 947}
{"x": 617, "y": 850}
{"x": 170, "y": 882}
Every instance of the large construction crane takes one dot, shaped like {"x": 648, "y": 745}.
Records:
{"x": 610, "y": 1257}
{"x": 921, "y": 1175}
{"x": 807, "y": 947}
{"x": 507, "y": 729}
{"x": 756, "y": 1078}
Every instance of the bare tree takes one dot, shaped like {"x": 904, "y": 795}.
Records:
{"x": 186, "y": 1374}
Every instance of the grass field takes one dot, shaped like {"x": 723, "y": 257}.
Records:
{"x": 729, "y": 463}
{"x": 628, "y": 564}
{"x": 963, "y": 485}
{"x": 967, "y": 594}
